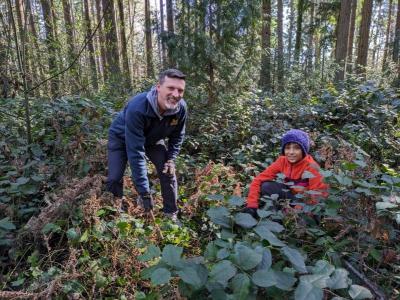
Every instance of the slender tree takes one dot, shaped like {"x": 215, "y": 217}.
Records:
{"x": 149, "y": 46}
{"x": 280, "y": 46}
{"x": 396, "y": 44}
{"x": 171, "y": 33}
{"x": 290, "y": 33}
{"x": 124, "y": 52}
{"x": 163, "y": 51}
{"x": 362, "y": 51}
{"x": 349, "y": 62}
{"x": 342, "y": 39}
{"x": 387, "y": 37}
{"x": 88, "y": 33}
{"x": 265, "y": 74}
{"x": 297, "y": 46}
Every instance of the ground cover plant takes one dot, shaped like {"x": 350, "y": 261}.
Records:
{"x": 62, "y": 236}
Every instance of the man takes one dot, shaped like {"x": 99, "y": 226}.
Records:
{"x": 139, "y": 132}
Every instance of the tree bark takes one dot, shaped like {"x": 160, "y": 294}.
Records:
{"x": 163, "y": 51}
{"x": 387, "y": 36}
{"x": 171, "y": 33}
{"x": 290, "y": 34}
{"x": 88, "y": 33}
{"x": 297, "y": 46}
{"x": 265, "y": 74}
{"x": 362, "y": 51}
{"x": 342, "y": 39}
{"x": 280, "y": 77}
{"x": 310, "y": 51}
{"x": 149, "y": 46}
{"x": 350, "y": 63}
{"x": 396, "y": 44}
{"x": 124, "y": 52}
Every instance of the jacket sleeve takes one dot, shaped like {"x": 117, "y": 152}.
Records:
{"x": 134, "y": 140}
{"x": 316, "y": 184}
{"x": 175, "y": 139}
{"x": 267, "y": 175}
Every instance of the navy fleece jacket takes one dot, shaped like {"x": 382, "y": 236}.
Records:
{"x": 140, "y": 125}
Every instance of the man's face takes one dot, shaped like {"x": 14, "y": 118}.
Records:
{"x": 293, "y": 152}
{"x": 169, "y": 93}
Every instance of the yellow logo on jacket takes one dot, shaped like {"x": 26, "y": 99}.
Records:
{"x": 174, "y": 122}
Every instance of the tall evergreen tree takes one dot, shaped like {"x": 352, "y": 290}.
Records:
{"x": 362, "y": 51}
{"x": 342, "y": 38}
{"x": 265, "y": 74}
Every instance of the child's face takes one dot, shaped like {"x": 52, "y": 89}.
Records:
{"x": 293, "y": 152}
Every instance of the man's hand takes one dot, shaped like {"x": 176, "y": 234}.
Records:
{"x": 169, "y": 167}
{"x": 147, "y": 202}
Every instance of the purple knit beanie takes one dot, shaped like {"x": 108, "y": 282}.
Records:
{"x": 299, "y": 137}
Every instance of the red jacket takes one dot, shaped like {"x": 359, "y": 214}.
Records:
{"x": 293, "y": 173}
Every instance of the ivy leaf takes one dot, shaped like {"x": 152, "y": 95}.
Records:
{"x": 219, "y": 216}
{"x": 246, "y": 257}
{"x": 172, "y": 255}
{"x": 339, "y": 279}
{"x": 194, "y": 275}
{"x": 160, "y": 276}
{"x": 222, "y": 272}
{"x": 318, "y": 280}
{"x": 307, "y": 291}
{"x": 358, "y": 292}
{"x": 273, "y": 226}
{"x": 151, "y": 252}
{"x": 240, "y": 286}
{"x": 236, "y": 201}
{"x": 245, "y": 220}
{"x": 295, "y": 258}
{"x": 266, "y": 234}
{"x": 6, "y": 224}
{"x": 323, "y": 267}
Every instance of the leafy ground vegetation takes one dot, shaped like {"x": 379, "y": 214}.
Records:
{"x": 63, "y": 237}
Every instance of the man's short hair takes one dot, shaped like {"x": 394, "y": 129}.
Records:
{"x": 171, "y": 73}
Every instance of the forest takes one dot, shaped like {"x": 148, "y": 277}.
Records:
{"x": 254, "y": 70}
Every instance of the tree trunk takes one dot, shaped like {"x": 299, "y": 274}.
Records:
{"x": 362, "y": 51}
{"x": 124, "y": 52}
{"x": 342, "y": 39}
{"x": 88, "y": 33}
{"x": 387, "y": 36}
{"x": 163, "y": 51}
{"x": 50, "y": 43}
{"x": 101, "y": 40}
{"x": 290, "y": 37}
{"x": 297, "y": 46}
{"x": 211, "y": 75}
{"x": 112, "y": 67}
{"x": 132, "y": 14}
{"x": 349, "y": 61}
{"x": 265, "y": 74}
{"x": 171, "y": 33}
{"x": 149, "y": 46}
{"x": 280, "y": 78}
{"x": 310, "y": 51}
{"x": 396, "y": 44}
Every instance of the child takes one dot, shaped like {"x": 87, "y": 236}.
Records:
{"x": 297, "y": 166}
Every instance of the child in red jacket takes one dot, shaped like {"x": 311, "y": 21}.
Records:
{"x": 301, "y": 173}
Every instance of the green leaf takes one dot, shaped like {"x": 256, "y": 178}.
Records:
{"x": 358, "y": 292}
{"x": 339, "y": 279}
{"x": 264, "y": 278}
{"x": 318, "y": 280}
{"x": 236, "y": 201}
{"x": 84, "y": 237}
{"x": 240, "y": 286}
{"x": 151, "y": 252}
{"x": 284, "y": 280}
{"x": 51, "y": 227}
{"x": 72, "y": 234}
{"x": 222, "y": 272}
{"x": 246, "y": 258}
{"x": 273, "y": 226}
{"x": 307, "y": 175}
{"x": 295, "y": 258}
{"x": 220, "y": 216}
{"x": 223, "y": 253}
{"x": 216, "y": 197}
{"x": 264, "y": 213}
{"x": 266, "y": 234}
{"x": 194, "y": 275}
{"x": 160, "y": 276}
{"x": 266, "y": 260}
{"x": 172, "y": 255}
{"x": 22, "y": 180}
{"x": 245, "y": 220}
{"x": 323, "y": 267}
{"x": 6, "y": 224}
{"x": 307, "y": 291}
{"x": 385, "y": 205}
{"x": 18, "y": 282}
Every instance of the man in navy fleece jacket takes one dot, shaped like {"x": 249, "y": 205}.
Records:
{"x": 139, "y": 132}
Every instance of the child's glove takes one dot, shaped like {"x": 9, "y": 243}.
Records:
{"x": 251, "y": 211}
{"x": 146, "y": 201}
{"x": 169, "y": 168}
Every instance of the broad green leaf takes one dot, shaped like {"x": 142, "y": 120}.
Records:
{"x": 51, "y": 227}
{"x": 172, "y": 255}
{"x": 84, "y": 237}
{"x": 318, "y": 280}
{"x": 240, "y": 286}
{"x": 223, "y": 253}
{"x": 323, "y": 267}
{"x": 6, "y": 224}
{"x": 216, "y": 197}
{"x": 339, "y": 279}
{"x": 266, "y": 260}
{"x": 194, "y": 275}
{"x": 385, "y": 205}
{"x": 307, "y": 291}
{"x": 220, "y": 216}
{"x": 72, "y": 234}
{"x": 273, "y": 226}
{"x": 358, "y": 292}
{"x": 295, "y": 258}
{"x": 264, "y": 278}
{"x": 266, "y": 234}
{"x": 264, "y": 213}
{"x": 245, "y": 220}
{"x": 151, "y": 252}
{"x": 222, "y": 272}
{"x": 211, "y": 251}
{"x": 284, "y": 280}
{"x": 246, "y": 258}
{"x": 236, "y": 201}
{"x": 226, "y": 234}
{"x": 22, "y": 180}
{"x": 160, "y": 276}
